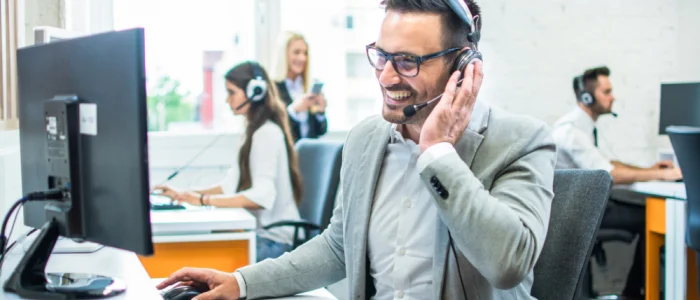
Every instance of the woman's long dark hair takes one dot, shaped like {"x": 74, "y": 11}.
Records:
{"x": 270, "y": 109}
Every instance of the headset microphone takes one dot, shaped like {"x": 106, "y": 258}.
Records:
{"x": 614, "y": 114}
{"x": 242, "y": 105}
{"x": 411, "y": 110}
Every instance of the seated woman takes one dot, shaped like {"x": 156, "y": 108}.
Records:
{"x": 291, "y": 75}
{"x": 265, "y": 177}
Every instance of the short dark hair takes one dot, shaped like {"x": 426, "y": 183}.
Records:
{"x": 590, "y": 79}
{"x": 453, "y": 28}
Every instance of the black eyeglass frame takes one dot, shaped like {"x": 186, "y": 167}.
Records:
{"x": 418, "y": 59}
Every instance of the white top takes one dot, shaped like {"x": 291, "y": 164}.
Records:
{"x": 296, "y": 91}
{"x": 271, "y": 182}
{"x": 573, "y": 135}
{"x": 402, "y": 235}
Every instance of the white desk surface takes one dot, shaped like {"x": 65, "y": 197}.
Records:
{"x": 675, "y": 190}
{"x": 107, "y": 261}
{"x": 201, "y": 220}
{"x": 115, "y": 263}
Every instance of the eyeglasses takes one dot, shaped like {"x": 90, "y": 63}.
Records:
{"x": 405, "y": 64}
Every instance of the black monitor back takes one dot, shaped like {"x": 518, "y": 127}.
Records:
{"x": 680, "y": 105}
{"x": 106, "y": 70}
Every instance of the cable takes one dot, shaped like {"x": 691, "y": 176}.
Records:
{"x": 461, "y": 281}
{"x": 14, "y": 221}
{"x": 192, "y": 159}
{"x": 17, "y": 242}
{"x": 3, "y": 237}
{"x": 57, "y": 194}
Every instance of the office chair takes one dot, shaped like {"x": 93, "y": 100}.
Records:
{"x": 319, "y": 164}
{"x": 604, "y": 235}
{"x": 580, "y": 197}
{"x": 686, "y": 145}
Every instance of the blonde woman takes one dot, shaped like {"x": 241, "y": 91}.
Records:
{"x": 291, "y": 75}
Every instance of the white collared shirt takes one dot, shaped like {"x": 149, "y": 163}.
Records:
{"x": 573, "y": 135}
{"x": 271, "y": 183}
{"x": 403, "y": 223}
{"x": 296, "y": 91}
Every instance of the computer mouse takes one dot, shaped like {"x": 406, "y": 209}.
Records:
{"x": 184, "y": 292}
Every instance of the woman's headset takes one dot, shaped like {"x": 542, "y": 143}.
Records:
{"x": 256, "y": 88}
{"x": 584, "y": 96}
{"x": 465, "y": 57}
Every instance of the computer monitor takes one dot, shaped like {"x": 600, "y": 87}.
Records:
{"x": 83, "y": 128}
{"x": 680, "y": 105}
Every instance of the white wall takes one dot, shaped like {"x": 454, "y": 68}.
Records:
{"x": 533, "y": 49}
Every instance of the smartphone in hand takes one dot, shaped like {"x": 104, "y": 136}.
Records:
{"x": 317, "y": 87}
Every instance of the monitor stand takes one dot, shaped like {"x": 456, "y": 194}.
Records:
{"x": 29, "y": 279}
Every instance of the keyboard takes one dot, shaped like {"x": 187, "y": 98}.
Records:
{"x": 167, "y": 206}
{"x": 164, "y": 203}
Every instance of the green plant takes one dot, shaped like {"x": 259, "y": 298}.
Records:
{"x": 166, "y": 104}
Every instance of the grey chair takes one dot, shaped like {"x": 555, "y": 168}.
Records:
{"x": 319, "y": 164}
{"x": 580, "y": 197}
{"x": 686, "y": 146}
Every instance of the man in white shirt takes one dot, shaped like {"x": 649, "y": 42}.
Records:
{"x": 451, "y": 202}
{"x": 576, "y": 137}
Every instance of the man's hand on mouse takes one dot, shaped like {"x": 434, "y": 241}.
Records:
{"x": 221, "y": 285}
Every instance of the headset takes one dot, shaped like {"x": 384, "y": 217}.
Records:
{"x": 256, "y": 89}
{"x": 465, "y": 57}
{"x": 460, "y": 8}
{"x": 584, "y": 96}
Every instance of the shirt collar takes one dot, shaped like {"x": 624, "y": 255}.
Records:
{"x": 396, "y": 136}
{"x": 296, "y": 84}
{"x": 582, "y": 120}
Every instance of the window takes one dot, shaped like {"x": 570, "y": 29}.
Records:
{"x": 337, "y": 32}
{"x": 189, "y": 47}
{"x": 9, "y": 40}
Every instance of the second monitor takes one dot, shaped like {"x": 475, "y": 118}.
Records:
{"x": 680, "y": 105}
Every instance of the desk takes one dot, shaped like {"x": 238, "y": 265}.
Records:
{"x": 114, "y": 263}
{"x": 108, "y": 261}
{"x": 666, "y": 219}
{"x": 219, "y": 238}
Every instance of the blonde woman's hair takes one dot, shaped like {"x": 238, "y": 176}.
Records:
{"x": 281, "y": 64}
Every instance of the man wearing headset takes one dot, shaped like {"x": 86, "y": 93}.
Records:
{"x": 576, "y": 137}
{"x": 445, "y": 200}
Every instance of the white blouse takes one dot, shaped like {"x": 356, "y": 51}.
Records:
{"x": 271, "y": 182}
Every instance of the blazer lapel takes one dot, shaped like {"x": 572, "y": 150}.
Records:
{"x": 365, "y": 181}
{"x": 472, "y": 137}
{"x": 466, "y": 147}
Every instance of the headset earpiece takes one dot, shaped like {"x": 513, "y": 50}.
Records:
{"x": 257, "y": 87}
{"x": 464, "y": 59}
{"x": 586, "y": 98}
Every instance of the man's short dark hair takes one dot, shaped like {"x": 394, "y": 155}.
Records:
{"x": 590, "y": 79}
{"x": 454, "y": 29}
